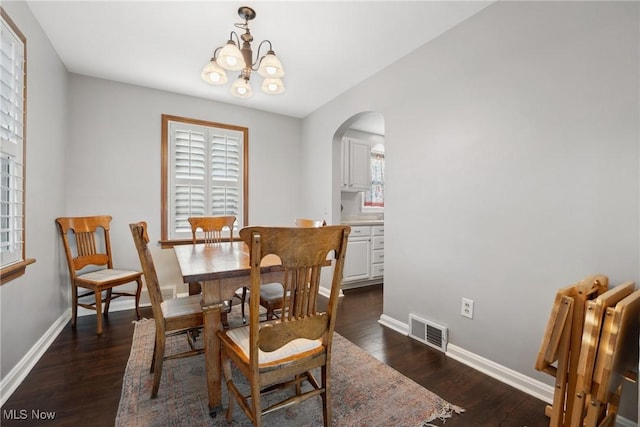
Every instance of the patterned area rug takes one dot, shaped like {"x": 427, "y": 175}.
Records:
{"x": 365, "y": 392}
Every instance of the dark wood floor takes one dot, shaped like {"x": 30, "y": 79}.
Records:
{"x": 80, "y": 376}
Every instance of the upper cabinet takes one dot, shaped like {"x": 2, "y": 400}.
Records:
{"x": 356, "y": 158}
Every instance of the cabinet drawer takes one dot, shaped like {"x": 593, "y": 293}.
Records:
{"x": 377, "y": 270}
{"x": 360, "y": 231}
{"x": 378, "y": 257}
{"x": 378, "y": 242}
{"x": 378, "y": 230}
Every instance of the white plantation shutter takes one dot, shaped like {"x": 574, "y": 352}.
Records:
{"x": 205, "y": 174}
{"x": 12, "y": 90}
{"x": 225, "y": 174}
{"x": 189, "y": 174}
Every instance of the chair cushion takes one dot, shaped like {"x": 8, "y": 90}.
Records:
{"x": 271, "y": 292}
{"x": 240, "y": 336}
{"x": 183, "y": 306}
{"x": 107, "y": 275}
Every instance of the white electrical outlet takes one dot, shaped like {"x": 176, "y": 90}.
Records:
{"x": 467, "y": 308}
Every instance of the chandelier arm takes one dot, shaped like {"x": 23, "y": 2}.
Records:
{"x": 237, "y": 40}
{"x": 259, "y": 58}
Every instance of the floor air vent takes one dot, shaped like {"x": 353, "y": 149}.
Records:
{"x": 428, "y": 332}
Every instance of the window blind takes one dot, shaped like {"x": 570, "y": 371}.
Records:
{"x": 12, "y": 89}
{"x": 206, "y": 171}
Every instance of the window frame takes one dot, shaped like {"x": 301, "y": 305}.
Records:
{"x": 17, "y": 268}
{"x": 165, "y": 241}
{"x": 373, "y": 209}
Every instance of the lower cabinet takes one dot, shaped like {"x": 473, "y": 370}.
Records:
{"x": 357, "y": 260}
{"x": 364, "y": 261}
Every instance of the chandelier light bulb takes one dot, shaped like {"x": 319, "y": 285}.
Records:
{"x": 213, "y": 74}
{"x": 270, "y": 66}
{"x": 241, "y": 88}
{"x": 272, "y": 86}
{"x": 230, "y": 57}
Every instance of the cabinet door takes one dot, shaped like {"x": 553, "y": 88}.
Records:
{"x": 357, "y": 261}
{"x": 344, "y": 164}
{"x": 359, "y": 165}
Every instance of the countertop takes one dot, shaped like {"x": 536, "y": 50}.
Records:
{"x": 362, "y": 221}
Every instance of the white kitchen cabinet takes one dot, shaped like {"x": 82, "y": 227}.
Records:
{"x": 377, "y": 251}
{"x": 364, "y": 261}
{"x": 357, "y": 259}
{"x": 356, "y": 165}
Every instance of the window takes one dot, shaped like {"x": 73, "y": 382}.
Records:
{"x": 204, "y": 173}
{"x": 13, "y": 91}
{"x": 373, "y": 199}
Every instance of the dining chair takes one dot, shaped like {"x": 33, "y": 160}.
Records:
{"x": 87, "y": 247}
{"x": 306, "y": 222}
{"x": 271, "y": 293}
{"x": 172, "y": 316}
{"x": 282, "y": 353}
{"x": 212, "y": 228}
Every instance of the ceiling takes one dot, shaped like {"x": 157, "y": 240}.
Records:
{"x": 325, "y": 47}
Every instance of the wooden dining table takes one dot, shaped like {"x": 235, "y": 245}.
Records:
{"x": 221, "y": 268}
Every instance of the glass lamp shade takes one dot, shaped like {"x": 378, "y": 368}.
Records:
{"x": 241, "y": 88}
{"x": 270, "y": 66}
{"x": 213, "y": 74}
{"x": 272, "y": 86}
{"x": 230, "y": 57}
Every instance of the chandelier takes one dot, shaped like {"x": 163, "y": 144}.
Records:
{"x": 232, "y": 58}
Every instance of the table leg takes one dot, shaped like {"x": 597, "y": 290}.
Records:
{"x": 211, "y": 307}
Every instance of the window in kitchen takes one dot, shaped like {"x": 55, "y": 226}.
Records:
{"x": 373, "y": 199}
{"x": 13, "y": 65}
{"x": 204, "y": 173}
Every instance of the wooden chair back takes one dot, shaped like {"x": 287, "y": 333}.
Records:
{"x": 306, "y": 222}
{"x": 172, "y": 317}
{"x": 88, "y": 249}
{"x": 212, "y": 227}
{"x": 617, "y": 357}
{"x": 303, "y": 252}
{"x": 141, "y": 241}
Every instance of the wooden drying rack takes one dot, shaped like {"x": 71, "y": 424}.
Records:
{"x": 592, "y": 338}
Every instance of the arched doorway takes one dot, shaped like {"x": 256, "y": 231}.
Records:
{"x": 358, "y": 195}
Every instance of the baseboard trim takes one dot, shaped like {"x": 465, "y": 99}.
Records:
{"x": 394, "y": 324}
{"x": 14, "y": 378}
{"x": 326, "y": 292}
{"x": 117, "y": 305}
{"x": 506, "y": 375}
{"x": 503, "y": 374}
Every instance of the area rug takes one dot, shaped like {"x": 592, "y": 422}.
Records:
{"x": 365, "y": 392}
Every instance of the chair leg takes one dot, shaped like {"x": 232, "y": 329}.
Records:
{"x": 256, "y": 403}
{"x": 107, "y": 304}
{"x": 159, "y": 358}
{"x": 227, "y": 375}
{"x": 326, "y": 396}
{"x": 153, "y": 357}
{"x": 99, "y": 310}
{"x": 138, "y": 293}
{"x": 224, "y": 320}
{"x": 74, "y": 305}
{"x": 242, "y": 302}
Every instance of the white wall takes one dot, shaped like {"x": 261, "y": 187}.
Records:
{"x": 114, "y": 156}
{"x": 30, "y": 304}
{"x": 512, "y": 151}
